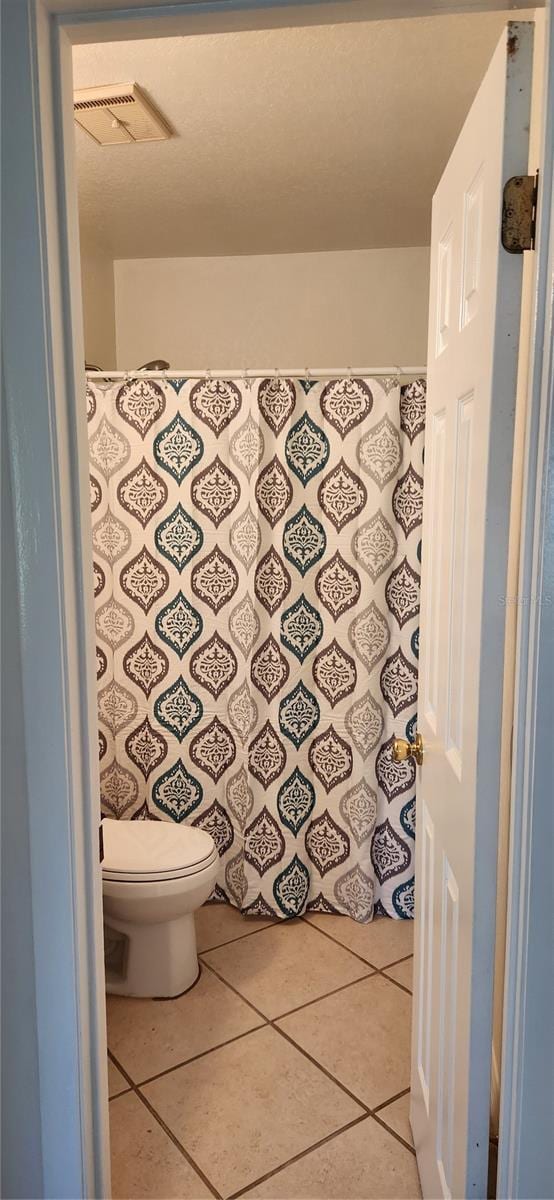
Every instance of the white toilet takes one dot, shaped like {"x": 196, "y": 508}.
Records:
{"x": 154, "y": 876}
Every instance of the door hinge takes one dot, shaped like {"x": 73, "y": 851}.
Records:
{"x": 519, "y": 213}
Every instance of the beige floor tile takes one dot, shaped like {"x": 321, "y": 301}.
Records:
{"x": 363, "y": 1163}
{"x": 380, "y": 942}
{"x": 145, "y": 1162}
{"x": 397, "y": 1115}
{"x": 361, "y": 1035}
{"x": 219, "y": 923}
{"x": 148, "y": 1036}
{"x": 247, "y": 1108}
{"x": 285, "y": 966}
{"x": 402, "y": 972}
{"x": 116, "y": 1081}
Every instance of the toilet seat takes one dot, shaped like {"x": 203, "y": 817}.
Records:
{"x": 154, "y": 851}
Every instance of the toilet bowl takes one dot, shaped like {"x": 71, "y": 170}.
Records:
{"x": 154, "y": 876}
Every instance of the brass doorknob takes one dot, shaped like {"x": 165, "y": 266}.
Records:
{"x": 402, "y": 749}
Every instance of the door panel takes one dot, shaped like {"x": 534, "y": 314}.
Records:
{"x": 472, "y": 364}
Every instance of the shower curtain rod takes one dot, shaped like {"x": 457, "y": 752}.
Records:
{"x": 250, "y": 373}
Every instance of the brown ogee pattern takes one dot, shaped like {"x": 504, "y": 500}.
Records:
{"x": 256, "y": 556}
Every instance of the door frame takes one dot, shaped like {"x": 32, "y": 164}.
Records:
{"x": 527, "y": 1083}
{"x": 44, "y": 381}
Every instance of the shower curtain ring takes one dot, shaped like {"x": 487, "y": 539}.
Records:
{"x": 308, "y": 373}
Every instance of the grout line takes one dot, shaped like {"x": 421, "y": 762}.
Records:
{"x": 275, "y": 924}
{"x": 202, "y": 1054}
{"x": 378, "y": 1117}
{"x": 115, "y": 1095}
{"x": 396, "y": 962}
{"x": 369, "y": 1112}
{"x": 308, "y": 1003}
{"x": 364, "y": 1115}
{"x": 179, "y": 1146}
{"x": 393, "y": 1133}
{"x": 382, "y": 971}
{"x": 379, "y": 970}
{"x": 271, "y": 1023}
{"x": 316, "y": 1146}
{"x": 296, "y": 1157}
{"x": 120, "y": 1068}
{"x": 391, "y": 1100}
{"x": 324, "y": 933}
{"x": 402, "y": 986}
{"x": 125, "y": 1076}
{"x": 240, "y": 938}
{"x": 406, "y": 990}
{"x": 167, "y": 1130}
{"x": 278, "y": 1016}
{"x": 321, "y": 1068}
{"x": 265, "y": 1020}
{"x": 264, "y": 1016}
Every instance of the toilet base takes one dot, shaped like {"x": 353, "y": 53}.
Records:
{"x": 159, "y": 960}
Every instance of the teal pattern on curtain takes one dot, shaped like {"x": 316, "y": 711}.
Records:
{"x": 256, "y": 567}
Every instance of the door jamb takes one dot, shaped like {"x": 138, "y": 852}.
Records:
{"x": 526, "y": 1104}
{"x": 56, "y": 541}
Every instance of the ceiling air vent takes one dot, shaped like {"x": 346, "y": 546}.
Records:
{"x": 116, "y": 113}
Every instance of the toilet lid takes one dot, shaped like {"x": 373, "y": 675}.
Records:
{"x": 139, "y": 850}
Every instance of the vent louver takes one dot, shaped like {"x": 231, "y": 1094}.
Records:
{"x": 117, "y": 113}
{"x": 109, "y": 102}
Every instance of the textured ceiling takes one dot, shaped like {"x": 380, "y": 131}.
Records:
{"x": 309, "y": 138}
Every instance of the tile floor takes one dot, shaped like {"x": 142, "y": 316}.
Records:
{"x": 284, "y": 1073}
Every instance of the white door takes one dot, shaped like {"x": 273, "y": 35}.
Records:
{"x": 472, "y": 362}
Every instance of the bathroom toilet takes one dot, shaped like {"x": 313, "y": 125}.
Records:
{"x": 154, "y": 876}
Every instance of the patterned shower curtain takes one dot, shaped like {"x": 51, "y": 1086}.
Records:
{"x": 256, "y": 563}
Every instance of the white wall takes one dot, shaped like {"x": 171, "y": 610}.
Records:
{"x": 97, "y": 275}
{"x": 337, "y": 308}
